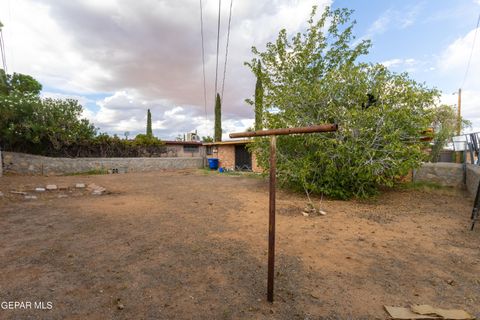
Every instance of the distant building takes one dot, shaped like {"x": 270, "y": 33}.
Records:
{"x": 233, "y": 155}
{"x": 184, "y": 149}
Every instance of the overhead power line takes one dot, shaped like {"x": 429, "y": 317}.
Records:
{"x": 2, "y": 49}
{"x": 203, "y": 61}
{"x": 471, "y": 52}
{"x": 226, "y": 47}
{"x": 218, "y": 46}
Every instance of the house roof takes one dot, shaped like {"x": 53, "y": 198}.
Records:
{"x": 183, "y": 143}
{"x": 220, "y": 143}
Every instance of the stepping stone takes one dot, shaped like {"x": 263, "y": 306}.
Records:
{"x": 39, "y": 189}
{"x": 62, "y": 187}
{"x": 80, "y": 185}
{"x": 99, "y": 191}
{"x": 19, "y": 192}
{"x": 92, "y": 186}
{"x": 29, "y": 197}
{"x": 51, "y": 187}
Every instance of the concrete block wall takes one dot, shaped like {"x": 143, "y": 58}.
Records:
{"x": 27, "y": 164}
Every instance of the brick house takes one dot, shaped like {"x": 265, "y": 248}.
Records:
{"x": 233, "y": 155}
{"x": 184, "y": 149}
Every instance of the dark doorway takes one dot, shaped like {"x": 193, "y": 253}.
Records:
{"x": 243, "y": 158}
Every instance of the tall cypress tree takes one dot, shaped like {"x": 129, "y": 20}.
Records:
{"x": 259, "y": 99}
{"x": 218, "y": 119}
{"x": 3, "y": 82}
{"x": 149, "y": 124}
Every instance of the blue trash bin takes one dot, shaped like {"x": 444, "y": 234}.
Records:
{"x": 213, "y": 163}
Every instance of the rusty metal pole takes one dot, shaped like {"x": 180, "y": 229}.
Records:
{"x": 271, "y": 214}
{"x": 271, "y": 220}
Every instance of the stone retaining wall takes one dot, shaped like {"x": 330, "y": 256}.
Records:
{"x": 450, "y": 175}
{"x": 442, "y": 173}
{"x": 473, "y": 177}
{"x": 27, "y": 164}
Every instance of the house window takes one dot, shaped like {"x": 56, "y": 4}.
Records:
{"x": 190, "y": 148}
{"x": 209, "y": 150}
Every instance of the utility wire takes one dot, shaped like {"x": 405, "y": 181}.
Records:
{"x": 2, "y": 48}
{"x": 471, "y": 52}
{"x": 218, "y": 46}
{"x": 226, "y": 48}
{"x": 10, "y": 27}
{"x": 203, "y": 62}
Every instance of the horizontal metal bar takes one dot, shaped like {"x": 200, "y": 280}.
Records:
{"x": 284, "y": 131}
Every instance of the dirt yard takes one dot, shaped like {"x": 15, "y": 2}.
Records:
{"x": 192, "y": 245}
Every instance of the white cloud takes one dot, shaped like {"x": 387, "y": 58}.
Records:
{"x": 392, "y": 62}
{"x": 404, "y": 65}
{"x": 407, "y": 18}
{"x": 37, "y": 45}
{"x": 393, "y": 19}
{"x": 454, "y": 58}
{"x": 127, "y": 111}
{"x": 452, "y": 63}
{"x": 380, "y": 25}
{"x": 470, "y": 106}
{"x": 145, "y": 54}
{"x": 55, "y": 95}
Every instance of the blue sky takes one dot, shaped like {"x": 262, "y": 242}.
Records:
{"x": 120, "y": 57}
{"x": 431, "y": 40}
{"x": 419, "y": 30}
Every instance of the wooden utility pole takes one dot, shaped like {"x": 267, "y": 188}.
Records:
{"x": 458, "y": 158}
{"x": 271, "y": 209}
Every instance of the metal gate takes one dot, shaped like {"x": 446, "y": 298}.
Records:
{"x": 243, "y": 158}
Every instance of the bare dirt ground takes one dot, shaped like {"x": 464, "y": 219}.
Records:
{"x": 191, "y": 245}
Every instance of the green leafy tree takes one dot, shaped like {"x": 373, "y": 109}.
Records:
{"x": 145, "y": 140}
{"x": 18, "y": 82}
{"x": 62, "y": 124}
{"x": 55, "y": 127}
{"x": 207, "y": 139}
{"x": 149, "y": 124}
{"x": 218, "y": 119}
{"x": 315, "y": 78}
{"x": 42, "y": 126}
{"x": 3, "y": 83}
{"x": 444, "y": 123}
{"x": 24, "y": 83}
